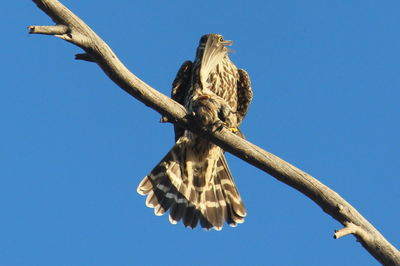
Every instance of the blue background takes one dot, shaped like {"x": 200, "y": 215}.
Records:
{"x": 73, "y": 146}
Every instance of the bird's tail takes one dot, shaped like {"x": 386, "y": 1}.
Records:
{"x": 194, "y": 188}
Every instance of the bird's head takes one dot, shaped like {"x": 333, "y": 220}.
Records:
{"x": 211, "y": 51}
{"x": 212, "y": 42}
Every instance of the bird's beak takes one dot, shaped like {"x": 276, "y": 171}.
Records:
{"x": 227, "y": 43}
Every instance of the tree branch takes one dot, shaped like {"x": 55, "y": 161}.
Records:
{"x": 72, "y": 29}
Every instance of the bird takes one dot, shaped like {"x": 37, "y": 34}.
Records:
{"x": 193, "y": 180}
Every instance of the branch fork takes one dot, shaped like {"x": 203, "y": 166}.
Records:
{"x": 349, "y": 228}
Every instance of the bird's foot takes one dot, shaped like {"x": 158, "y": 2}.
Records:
{"x": 233, "y": 129}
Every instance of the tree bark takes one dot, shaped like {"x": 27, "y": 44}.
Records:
{"x": 72, "y": 29}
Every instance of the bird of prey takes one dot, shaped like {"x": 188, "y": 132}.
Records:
{"x": 193, "y": 180}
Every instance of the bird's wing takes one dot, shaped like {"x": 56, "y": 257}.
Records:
{"x": 244, "y": 94}
{"x": 180, "y": 88}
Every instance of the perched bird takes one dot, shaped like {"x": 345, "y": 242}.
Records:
{"x": 193, "y": 180}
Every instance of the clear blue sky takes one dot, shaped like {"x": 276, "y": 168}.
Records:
{"x": 74, "y": 146}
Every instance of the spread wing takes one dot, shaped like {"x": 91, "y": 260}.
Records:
{"x": 244, "y": 93}
{"x": 180, "y": 88}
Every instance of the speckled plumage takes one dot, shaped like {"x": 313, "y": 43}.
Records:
{"x": 193, "y": 180}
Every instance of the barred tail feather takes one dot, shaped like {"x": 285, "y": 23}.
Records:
{"x": 193, "y": 189}
{"x": 235, "y": 207}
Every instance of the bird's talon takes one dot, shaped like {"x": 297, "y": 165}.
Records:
{"x": 233, "y": 129}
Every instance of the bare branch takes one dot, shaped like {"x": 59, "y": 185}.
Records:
{"x": 49, "y": 30}
{"x": 70, "y": 28}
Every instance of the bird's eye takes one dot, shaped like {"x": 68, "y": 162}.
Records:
{"x": 221, "y": 39}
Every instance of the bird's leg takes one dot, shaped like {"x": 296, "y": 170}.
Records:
{"x": 228, "y": 116}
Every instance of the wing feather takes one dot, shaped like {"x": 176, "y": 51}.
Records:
{"x": 244, "y": 94}
{"x": 180, "y": 89}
